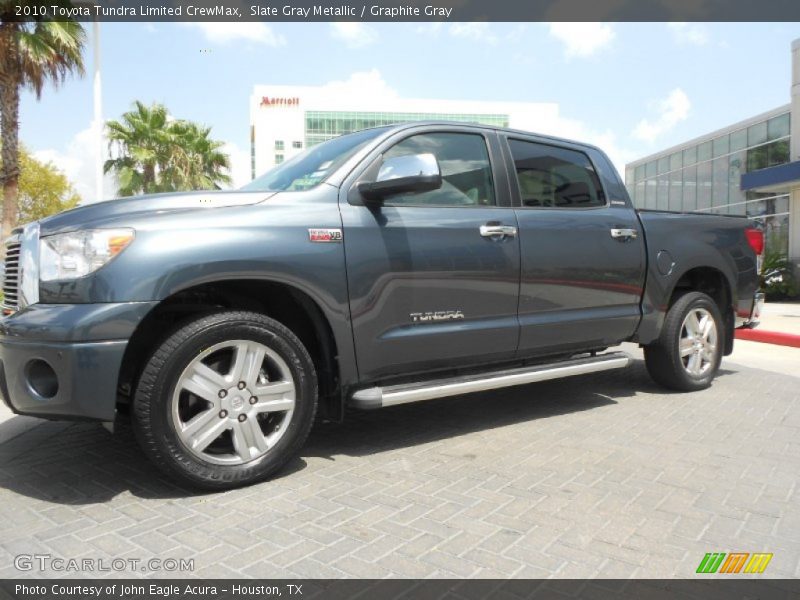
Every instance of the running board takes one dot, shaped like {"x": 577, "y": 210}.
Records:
{"x": 380, "y": 397}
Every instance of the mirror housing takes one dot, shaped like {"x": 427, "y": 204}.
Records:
{"x": 412, "y": 173}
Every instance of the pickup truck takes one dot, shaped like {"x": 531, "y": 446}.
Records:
{"x": 392, "y": 265}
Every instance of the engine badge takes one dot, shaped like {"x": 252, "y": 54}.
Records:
{"x": 325, "y": 235}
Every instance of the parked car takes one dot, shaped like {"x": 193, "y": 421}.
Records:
{"x": 392, "y": 265}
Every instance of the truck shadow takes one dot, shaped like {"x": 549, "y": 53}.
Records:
{"x": 81, "y": 463}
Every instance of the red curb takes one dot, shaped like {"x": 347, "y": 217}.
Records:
{"x": 769, "y": 337}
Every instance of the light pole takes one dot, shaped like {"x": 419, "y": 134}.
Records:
{"x": 97, "y": 119}
{"x": 98, "y": 114}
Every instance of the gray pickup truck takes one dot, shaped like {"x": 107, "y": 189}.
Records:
{"x": 392, "y": 265}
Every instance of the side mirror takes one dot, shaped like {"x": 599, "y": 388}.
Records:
{"x": 403, "y": 174}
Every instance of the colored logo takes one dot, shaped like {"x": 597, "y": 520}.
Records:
{"x": 734, "y": 562}
{"x": 267, "y": 101}
{"x": 325, "y": 235}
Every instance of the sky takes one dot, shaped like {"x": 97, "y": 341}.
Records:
{"x": 631, "y": 88}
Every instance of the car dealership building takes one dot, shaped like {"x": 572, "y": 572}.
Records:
{"x": 286, "y": 119}
{"x": 750, "y": 168}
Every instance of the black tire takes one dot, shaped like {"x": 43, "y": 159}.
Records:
{"x": 156, "y": 431}
{"x": 662, "y": 357}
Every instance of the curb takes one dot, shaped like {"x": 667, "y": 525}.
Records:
{"x": 769, "y": 337}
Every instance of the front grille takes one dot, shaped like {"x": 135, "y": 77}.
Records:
{"x": 11, "y": 279}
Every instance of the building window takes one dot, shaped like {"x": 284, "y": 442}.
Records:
{"x": 757, "y": 134}
{"x": 690, "y": 156}
{"x": 297, "y": 145}
{"x": 278, "y": 144}
{"x": 675, "y": 161}
{"x": 778, "y": 127}
{"x": 778, "y": 153}
{"x": 689, "y": 188}
{"x": 278, "y": 159}
{"x": 704, "y": 151}
{"x": 721, "y": 146}
{"x": 739, "y": 140}
{"x": 324, "y": 125}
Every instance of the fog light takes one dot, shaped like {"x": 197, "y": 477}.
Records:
{"x": 41, "y": 378}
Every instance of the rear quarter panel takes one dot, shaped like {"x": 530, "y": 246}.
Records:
{"x": 687, "y": 241}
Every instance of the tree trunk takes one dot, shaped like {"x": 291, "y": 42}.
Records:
{"x": 9, "y": 125}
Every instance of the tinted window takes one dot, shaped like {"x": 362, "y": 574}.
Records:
{"x": 555, "y": 177}
{"x": 464, "y": 163}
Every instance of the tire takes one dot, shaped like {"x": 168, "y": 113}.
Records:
{"x": 193, "y": 419}
{"x": 663, "y": 358}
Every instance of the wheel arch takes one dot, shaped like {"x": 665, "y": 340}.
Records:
{"x": 714, "y": 283}
{"x": 286, "y": 303}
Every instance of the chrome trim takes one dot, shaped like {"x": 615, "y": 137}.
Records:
{"x": 624, "y": 234}
{"x": 379, "y": 397}
{"x": 499, "y": 231}
{"x": 10, "y": 302}
{"x": 29, "y": 266}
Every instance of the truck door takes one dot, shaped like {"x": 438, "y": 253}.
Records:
{"x": 583, "y": 259}
{"x": 433, "y": 277}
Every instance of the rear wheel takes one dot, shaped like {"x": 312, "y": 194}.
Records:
{"x": 688, "y": 353}
{"x": 226, "y": 400}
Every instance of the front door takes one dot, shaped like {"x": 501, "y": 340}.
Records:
{"x": 429, "y": 288}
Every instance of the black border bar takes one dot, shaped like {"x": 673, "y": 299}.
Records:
{"x": 705, "y": 588}
{"x": 402, "y": 10}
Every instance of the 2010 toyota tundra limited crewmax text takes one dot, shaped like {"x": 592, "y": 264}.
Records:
{"x": 387, "y": 266}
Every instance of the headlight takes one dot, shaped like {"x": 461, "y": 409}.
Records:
{"x": 73, "y": 255}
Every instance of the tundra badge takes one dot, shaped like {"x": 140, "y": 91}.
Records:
{"x": 439, "y": 315}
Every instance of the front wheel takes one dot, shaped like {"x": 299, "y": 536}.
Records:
{"x": 688, "y": 352}
{"x": 226, "y": 400}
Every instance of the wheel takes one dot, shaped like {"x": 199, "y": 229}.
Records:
{"x": 688, "y": 352}
{"x": 225, "y": 400}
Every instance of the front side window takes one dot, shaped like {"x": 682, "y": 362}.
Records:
{"x": 552, "y": 177}
{"x": 464, "y": 162}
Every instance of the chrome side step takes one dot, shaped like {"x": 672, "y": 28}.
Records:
{"x": 380, "y": 397}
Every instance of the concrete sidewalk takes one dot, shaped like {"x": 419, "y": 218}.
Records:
{"x": 783, "y": 317}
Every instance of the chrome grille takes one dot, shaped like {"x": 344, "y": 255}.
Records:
{"x": 11, "y": 279}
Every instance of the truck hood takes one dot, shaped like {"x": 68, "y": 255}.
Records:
{"x": 135, "y": 206}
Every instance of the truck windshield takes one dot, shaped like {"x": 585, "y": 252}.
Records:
{"x": 313, "y": 166}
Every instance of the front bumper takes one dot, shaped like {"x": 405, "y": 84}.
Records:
{"x": 752, "y": 319}
{"x": 63, "y": 361}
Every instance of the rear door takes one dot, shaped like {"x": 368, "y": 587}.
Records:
{"x": 429, "y": 289}
{"x": 583, "y": 259}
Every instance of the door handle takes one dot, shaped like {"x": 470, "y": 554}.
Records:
{"x": 498, "y": 231}
{"x": 624, "y": 234}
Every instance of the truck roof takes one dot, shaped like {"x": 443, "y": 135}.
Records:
{"x": 508, "y": 130}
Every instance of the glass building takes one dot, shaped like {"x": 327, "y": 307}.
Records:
{"x": 284, "y": 120}
{"x": 706, "y": 174}
{"x": 324, "y": 125}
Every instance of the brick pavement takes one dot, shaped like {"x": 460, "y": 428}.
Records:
{"x": 601, "y": 475}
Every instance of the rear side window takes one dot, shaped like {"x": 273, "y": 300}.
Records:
{"x": 466, "y": 171}
{"x": 552, "y": 177}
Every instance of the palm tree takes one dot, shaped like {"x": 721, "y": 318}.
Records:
{"x": 199, "y": 162}
{"x": 155, "y": 153}
{"x": 141, "y": 141}
{"x": 31, "y": 55}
